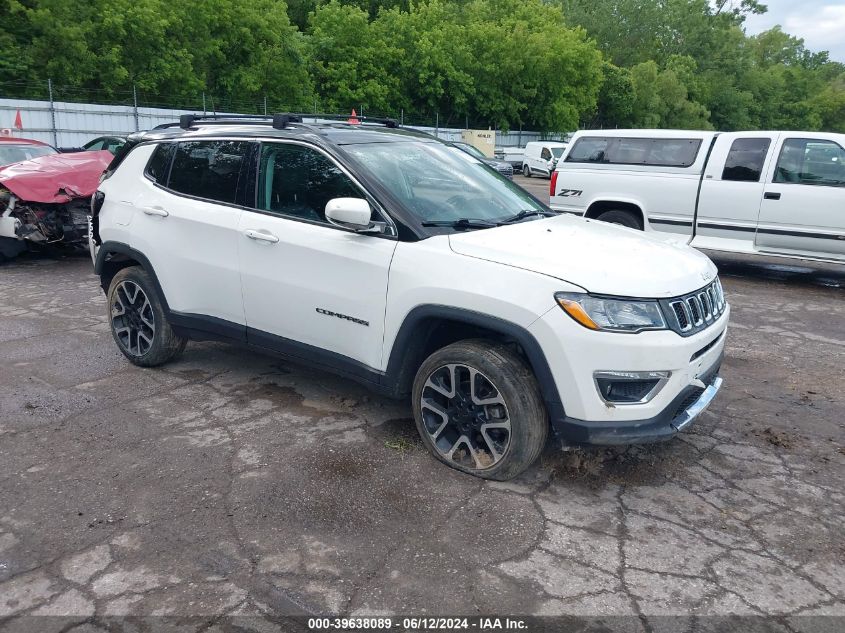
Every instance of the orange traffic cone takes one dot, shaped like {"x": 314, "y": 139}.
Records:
{"x": 353, "y": 120}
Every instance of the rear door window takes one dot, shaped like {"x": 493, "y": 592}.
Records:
{"x": 212, "y": 170}
{"x": 745, "y": 159}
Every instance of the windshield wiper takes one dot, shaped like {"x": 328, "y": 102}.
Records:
{"x": 462, "y": 223}
{"x": 527, "y": 213}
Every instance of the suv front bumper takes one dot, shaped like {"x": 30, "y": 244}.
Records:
{"x": 678, "y": 415}
{"x": 575, "y": 354}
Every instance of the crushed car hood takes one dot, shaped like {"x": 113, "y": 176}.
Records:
{"x": 601, "y": 258}
{"x": 56, "y": 178}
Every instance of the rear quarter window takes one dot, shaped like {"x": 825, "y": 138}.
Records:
{"x": 657, "y": 152}
{"x": 158, "y": 166}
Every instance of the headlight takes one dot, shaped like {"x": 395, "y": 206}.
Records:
{"x": 613, "y": 315}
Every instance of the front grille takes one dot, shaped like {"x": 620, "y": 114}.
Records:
{"x": 506, "y": 171}
{"x": 692, "y": 313}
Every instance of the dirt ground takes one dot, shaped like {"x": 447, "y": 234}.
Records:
{"x": 228, "y": 490}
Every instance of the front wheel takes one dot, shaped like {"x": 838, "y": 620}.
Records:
{"x": 526, "y": 171}
{"x": 478, "y": 409}
{"x": 138, "y": 322}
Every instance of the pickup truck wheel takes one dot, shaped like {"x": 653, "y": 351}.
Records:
{"x": 624, "y": 218}
{"x": 138, "y": 323}
{"x": 478, "y": 409}
{"x": 526, "y": 171}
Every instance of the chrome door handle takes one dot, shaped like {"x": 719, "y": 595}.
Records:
{"x": 261, "y": 236}
{"x": 162, "y": 213}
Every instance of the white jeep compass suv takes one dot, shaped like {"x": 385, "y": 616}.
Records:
{"x": 394, "y": 259}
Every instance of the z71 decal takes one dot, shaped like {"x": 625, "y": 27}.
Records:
{"x": 570, "y": 193}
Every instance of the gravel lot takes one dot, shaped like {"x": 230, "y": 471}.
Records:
{"x": 229, "y": 483}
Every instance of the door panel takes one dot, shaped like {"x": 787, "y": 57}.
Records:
{"x": 192, "y": 244}
{"x": 318, "y": 285}
{"x": 732, "y": 189}
{"x": 803, "y": 211}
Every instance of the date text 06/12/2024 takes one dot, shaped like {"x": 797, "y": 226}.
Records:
{"x": 417, "y": 624}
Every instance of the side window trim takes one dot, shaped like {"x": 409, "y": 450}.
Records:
{"x": 391, "y": 233}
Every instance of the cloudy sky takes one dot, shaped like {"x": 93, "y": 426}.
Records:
{"x": 821, "y": 23}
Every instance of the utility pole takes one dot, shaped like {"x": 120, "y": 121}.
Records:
{"x": 135, "y": 107}
{"x": 265, "y": 105}
{"x": 52, "y": 113}
{"x": 437, "y": 124}
{"x": 402, "y": 116}
{"x": 204, "y": 112}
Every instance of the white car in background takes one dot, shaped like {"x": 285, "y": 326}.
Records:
{"x": 767, "y": 193}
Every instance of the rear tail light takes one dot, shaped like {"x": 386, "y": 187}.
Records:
{"x": 96, "y": 204}
{"x": 553, "y": 184}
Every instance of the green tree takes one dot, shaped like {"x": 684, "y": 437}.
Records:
{"x": 351, "y": 60}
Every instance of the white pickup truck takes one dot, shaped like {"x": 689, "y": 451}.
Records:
{"x": 767, "y": 193}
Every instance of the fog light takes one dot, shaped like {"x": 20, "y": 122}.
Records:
{"x": 629, "y": 387}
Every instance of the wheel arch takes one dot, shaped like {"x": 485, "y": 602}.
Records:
{"x": 112, "y": 257}
{"x": 428, "y": 328}
{"x": 597, "y": 207}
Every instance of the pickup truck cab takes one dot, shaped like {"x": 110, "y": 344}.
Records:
{"x": 767, "y": 193}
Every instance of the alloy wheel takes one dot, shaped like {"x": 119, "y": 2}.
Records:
{"x": 132, "y": 318}
{"x": 465, "y": 417}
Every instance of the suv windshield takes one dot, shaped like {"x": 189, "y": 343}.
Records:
{"x": 14, "y": 153}
{"x": 439, "y": 184}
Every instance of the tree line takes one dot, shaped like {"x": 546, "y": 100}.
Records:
{"x": 552, "y": 65}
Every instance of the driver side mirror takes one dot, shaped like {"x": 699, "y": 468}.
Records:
{"x": 354, "y": 214}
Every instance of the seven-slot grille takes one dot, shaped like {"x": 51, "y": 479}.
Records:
{"x": 694, "y": 312}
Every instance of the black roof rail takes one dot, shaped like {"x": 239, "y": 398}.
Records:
{"x": 279, "y": 121}
{"x": 387, "y": 122}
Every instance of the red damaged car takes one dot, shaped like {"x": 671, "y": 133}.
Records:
{"x": 44, "y": 195}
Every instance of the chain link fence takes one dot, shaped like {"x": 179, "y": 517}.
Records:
{"x": 69, "y": 117}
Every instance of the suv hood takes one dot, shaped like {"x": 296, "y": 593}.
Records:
{"x": 601, "y": 258}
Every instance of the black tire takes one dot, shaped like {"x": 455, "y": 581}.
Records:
{"x": 10, "y": 248}
{"x": 154, "y": 342}
{"x": 504, "y": 378}
{"x": 621, "y": 217}
{"x": 526, "y": 171}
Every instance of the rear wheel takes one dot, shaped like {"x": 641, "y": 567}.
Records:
{"x": 138, "y": 322}
{"x": 526, "y": 171}
{"x": 621, "y": 217}
{"x": 478, "y": 409}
